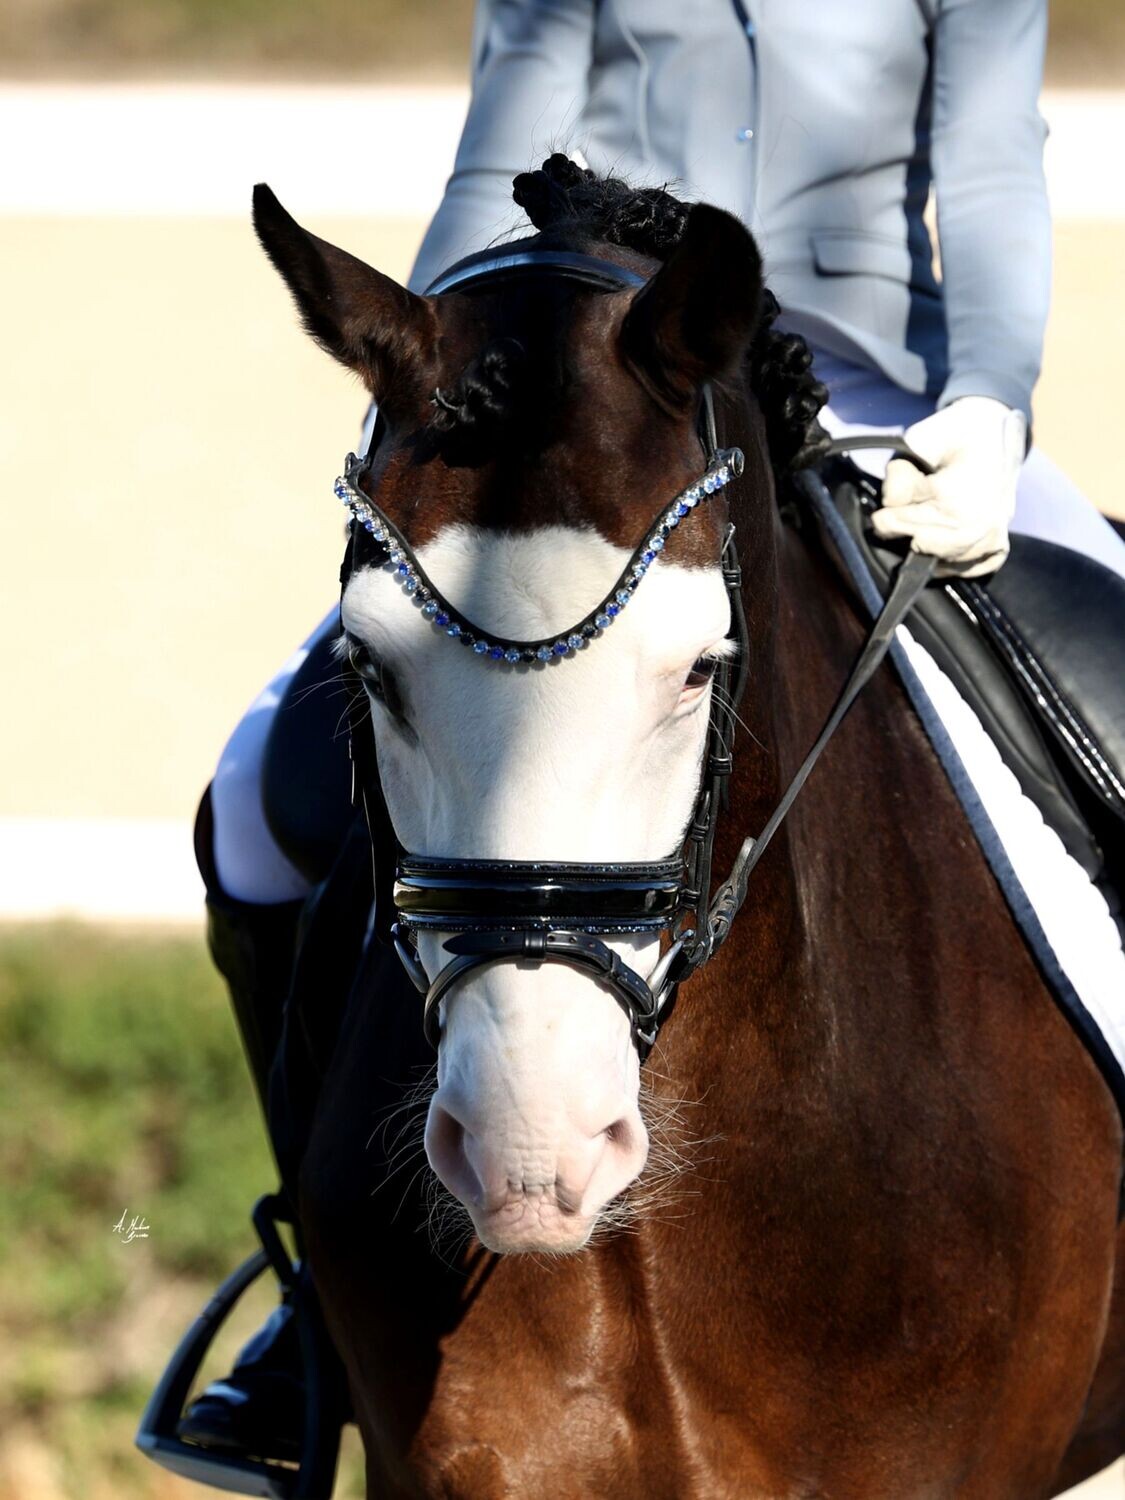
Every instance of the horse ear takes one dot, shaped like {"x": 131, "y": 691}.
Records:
{"x": 362, "y": 318}
{"x": 694, "y": 320}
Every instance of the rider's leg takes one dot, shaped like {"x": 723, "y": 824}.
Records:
{"x": 255, "y": 900}
{"x": 1048, "y": 504}
{"x": 259, "y": 1408}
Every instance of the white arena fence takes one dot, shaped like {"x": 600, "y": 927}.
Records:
{"x": 188, "y": 149}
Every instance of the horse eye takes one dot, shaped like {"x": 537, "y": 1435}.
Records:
{"x": 363, "y": 664}
{"x": 701, "y": 673}
{"x": 377, "y": 678}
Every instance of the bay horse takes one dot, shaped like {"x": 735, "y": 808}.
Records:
{"x": 890, "y": 1266}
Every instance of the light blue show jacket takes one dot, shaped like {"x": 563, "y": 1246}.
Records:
{"x": 821, "y": 124}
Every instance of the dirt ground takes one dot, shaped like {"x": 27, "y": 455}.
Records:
{"x": 168, "y": 440}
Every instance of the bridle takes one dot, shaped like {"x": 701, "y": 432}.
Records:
{"x": 537, "y": 911}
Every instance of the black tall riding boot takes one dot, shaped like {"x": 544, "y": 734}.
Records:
{"x": 259, "y": 1408}
{"x": 289, "y": 968}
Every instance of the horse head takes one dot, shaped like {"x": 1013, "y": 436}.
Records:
{"x": 914, "y": 1207}
{"x": 532, "y": 428}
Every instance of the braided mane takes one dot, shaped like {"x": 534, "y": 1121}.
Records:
{"x": 564, "y": 198}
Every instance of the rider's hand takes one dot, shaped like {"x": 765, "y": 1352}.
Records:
{"x": 961, "y": 512}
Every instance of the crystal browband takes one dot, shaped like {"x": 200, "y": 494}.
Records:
{"x": 399, "y": 556}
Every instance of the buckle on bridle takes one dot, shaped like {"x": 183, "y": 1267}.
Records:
{"x": 408, "y": 957}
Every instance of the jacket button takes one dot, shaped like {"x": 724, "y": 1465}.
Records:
{"x": 744, "y": 135}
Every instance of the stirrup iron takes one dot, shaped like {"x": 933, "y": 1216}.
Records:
{"x": 313, "y": 1478}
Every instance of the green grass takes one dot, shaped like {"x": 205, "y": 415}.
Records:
{"x": 271, "y": 38}
{"x": 122, "y": 1086}
{"x": 388, "y": 39}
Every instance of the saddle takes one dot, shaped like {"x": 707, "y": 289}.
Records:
{"x": 1036, "y": 651}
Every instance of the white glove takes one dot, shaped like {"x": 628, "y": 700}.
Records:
{"x": 961, "y": 512}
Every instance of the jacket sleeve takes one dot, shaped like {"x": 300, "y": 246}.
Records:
{"x": 531, "y": 62}
{"x": 994, "y": 224}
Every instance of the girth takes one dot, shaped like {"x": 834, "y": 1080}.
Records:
{"x": 536, "y": 912}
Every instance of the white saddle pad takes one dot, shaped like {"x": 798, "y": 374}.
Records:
{"x": 1071, "y": 910}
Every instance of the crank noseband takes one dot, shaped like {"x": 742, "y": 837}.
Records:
{"x": 578, "y": 950}
{"x": 535, "y": 912}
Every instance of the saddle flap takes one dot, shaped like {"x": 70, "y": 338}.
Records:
{"x": 1061, "y": 615}
{"x": 1031, "y": 652}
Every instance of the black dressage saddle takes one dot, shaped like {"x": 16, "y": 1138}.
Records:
{"x": 1036, "y": 650}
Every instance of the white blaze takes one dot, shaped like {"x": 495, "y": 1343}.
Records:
{"x": 593, "y": 757}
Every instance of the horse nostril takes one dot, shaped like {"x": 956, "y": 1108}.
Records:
{"x": 444, "y": 1133}
{"x": 621, "y": 1134}
{"x": 445, "y": 1150}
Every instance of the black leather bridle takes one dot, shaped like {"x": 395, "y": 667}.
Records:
{"x": 533, "y": 911}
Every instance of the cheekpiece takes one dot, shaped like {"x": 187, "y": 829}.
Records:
{"x": 399, "y": 559}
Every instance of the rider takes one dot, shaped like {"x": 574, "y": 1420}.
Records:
{"x": 824, "y": 129}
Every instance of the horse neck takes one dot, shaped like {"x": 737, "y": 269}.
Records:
{"x": 769, "y": 991}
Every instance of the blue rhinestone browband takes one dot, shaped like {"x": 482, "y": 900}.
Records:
{"x": 399, "y": 557}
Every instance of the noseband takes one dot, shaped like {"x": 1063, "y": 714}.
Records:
{"x": 533, "y": 911}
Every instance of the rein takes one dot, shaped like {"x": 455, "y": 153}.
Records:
{"x": 538, "y": 912}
